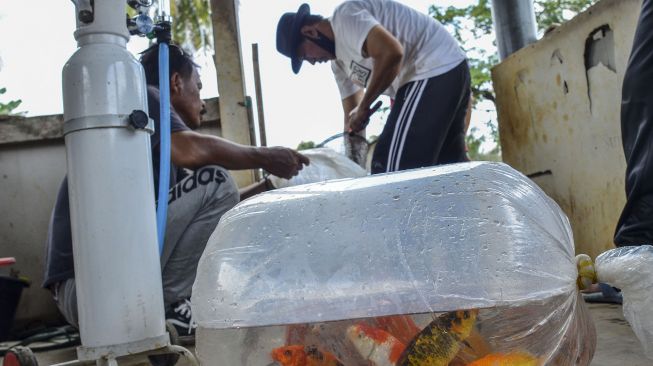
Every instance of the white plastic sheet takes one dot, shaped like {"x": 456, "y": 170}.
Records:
{"x": 427, "y": 241}
{"x": 326, "y": 164}
{"x": 631, "y": 270}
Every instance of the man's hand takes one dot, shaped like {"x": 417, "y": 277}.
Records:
{"x": 283, "y": 162}
{"x": 360, "y": 117}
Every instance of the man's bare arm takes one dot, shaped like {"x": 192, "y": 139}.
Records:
{"x": 387, "y": 53}
{"x": 192, "y": 150}
{"x": 348, "y": 105}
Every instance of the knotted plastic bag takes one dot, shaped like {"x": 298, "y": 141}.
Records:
{"x": 462, "y": 264}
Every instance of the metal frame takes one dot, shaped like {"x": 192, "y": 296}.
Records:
{"x": 113, "y": 361}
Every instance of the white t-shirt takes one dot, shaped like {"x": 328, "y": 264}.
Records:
{"x": 429, "y": 50}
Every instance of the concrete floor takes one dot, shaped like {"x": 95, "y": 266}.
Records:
{"x": 616, "y": 343}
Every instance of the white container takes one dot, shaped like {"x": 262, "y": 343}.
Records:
{"x": 301, "y": 266}
{"x": 117, "y": 266}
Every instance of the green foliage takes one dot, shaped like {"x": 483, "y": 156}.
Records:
{"x": 305, "y": 145}
{"x": 191, "y": 26}
{"x": 452, "y": 16}
{"x": 474, "y": 146}
{"x": 475, "y": 21}
{"x": 553, "y": 12}
{"x": 472, "y": 24}
{"x": 7, "y": 108}
{"x": 191, "y": 23}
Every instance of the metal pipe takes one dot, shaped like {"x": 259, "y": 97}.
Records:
{"x": 163, "y": 12}
{"x": 514, "y": 25}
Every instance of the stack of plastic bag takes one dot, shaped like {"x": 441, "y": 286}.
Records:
{"x": 465, "y": 264}
{"x": 631, "y": 270}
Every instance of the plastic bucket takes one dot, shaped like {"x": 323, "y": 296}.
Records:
{"x": 10, "y": 290}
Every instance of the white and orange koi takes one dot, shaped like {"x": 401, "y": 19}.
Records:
{"x": 375, "y": 345}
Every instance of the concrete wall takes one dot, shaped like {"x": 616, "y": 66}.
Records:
{"x": 32, "y": 165}
{"x": 31, "y": 174}
{"x": 235, "y": 109}
{"x": 558, "y": 102}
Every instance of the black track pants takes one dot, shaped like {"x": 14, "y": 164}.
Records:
{"x": 426, "y": 125}
{"x": 635, "y": 225}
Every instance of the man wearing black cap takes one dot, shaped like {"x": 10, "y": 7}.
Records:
{"x": 383, "y": 47}
{"x": 201, "y": 190}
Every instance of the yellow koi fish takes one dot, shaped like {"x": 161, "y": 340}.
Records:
{"x": 439, "y": 342}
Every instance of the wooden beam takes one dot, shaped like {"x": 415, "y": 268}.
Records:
{"x": 259, "y": 96}
{"x": 231, "y": 85}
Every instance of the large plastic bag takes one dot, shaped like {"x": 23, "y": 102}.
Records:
{"x": 325, "y": 164}
{"x": 472, "y": 259}
{"x": 631, "y": 270}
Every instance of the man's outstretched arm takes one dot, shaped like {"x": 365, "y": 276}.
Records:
{"x": 192, "y": 150}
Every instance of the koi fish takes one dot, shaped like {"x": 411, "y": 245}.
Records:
{"x": 439, "y": 342}
{"x": 401, "y": 327}
{"x": 509, "y": 359}
{"x": 300, "y": 355}
{"x": 375, "y": 345}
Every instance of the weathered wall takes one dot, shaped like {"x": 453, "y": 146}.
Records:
{"x": 32, "y": 165}
{"x": 31, "y": 174}
{"x": 558, "y": 102}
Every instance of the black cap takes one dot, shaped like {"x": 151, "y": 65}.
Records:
{"x": 289, "y": 35}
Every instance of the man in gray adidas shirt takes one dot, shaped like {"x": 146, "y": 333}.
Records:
{"x": 384, "y": 47}
{"x": 196, "y": 201}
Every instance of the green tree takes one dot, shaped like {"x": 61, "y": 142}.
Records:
{"x": 191, "y": 26}
{"x": 7, "y": 108}
{"x": 191, "y": 23}
{"x": 474, "y": 148}
{"x": 471, "y": 24}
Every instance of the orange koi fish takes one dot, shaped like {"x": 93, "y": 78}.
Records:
{"x": 375, "y": 345}
{"x": 401, "y": 327}
{"x": 439, "y": 342}
{"x": 509, "y": 359}
{"x": 300, "y": 355}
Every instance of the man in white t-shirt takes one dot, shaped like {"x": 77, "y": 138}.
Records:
{"x": 384, "y": 47}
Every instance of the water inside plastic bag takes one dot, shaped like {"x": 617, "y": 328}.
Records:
{"x": 538, "y": 334}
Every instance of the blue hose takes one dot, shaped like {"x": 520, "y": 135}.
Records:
{"x": 164, "y": 144}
